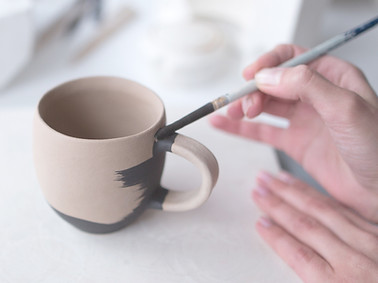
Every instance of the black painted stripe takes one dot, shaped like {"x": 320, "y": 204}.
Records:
{"x": 165, "y": 144}
{"x": 99, "y": 228}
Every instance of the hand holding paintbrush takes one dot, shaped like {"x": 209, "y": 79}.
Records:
{"x": 332, "y": 112}
{"x": 250, "y": 86}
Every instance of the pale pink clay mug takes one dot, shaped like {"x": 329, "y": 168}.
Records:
{"x": 96, "y": 158}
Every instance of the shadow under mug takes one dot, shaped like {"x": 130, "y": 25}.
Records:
{"x": 96, "y": 159}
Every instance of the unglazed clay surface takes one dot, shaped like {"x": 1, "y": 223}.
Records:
{"x": 83, "y": 136}
{"x": 97, "y": 159}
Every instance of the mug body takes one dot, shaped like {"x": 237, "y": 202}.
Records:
{"x": 93, "y": 142}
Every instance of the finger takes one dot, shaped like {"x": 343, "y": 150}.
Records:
{"x": 254, "y": 104}
{"x": 251, "y": 130}
{"x": 301, "y": 225}
{"x": 306, "y": 85}
{"x": 360, "y": 222}
{"x": 278, "y": 55}
{"x": 322, "y": 208}
{"x": 308, "y": 265}
{"x": 345, "y": 75}
{"x": 338, "y": 71}
{"x": 250, "y": 106}
{"x": 279, "y": 107}
{"x": 235, "y": 110}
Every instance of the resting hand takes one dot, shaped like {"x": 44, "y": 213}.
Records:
{"x": 320, "y": 239}
{"x": 333, "y": 115}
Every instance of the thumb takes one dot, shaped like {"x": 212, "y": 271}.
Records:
{"x": 306, "y": 85}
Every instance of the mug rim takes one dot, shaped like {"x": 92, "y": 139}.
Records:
{"x": 54, "y": 89}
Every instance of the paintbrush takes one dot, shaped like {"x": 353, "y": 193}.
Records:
{"x": 250, "y": 86}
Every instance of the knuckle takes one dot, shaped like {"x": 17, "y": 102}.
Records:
{"x": 304, "y": 254}
{"x": 353, "y": 113}
{"x": 352, "y": 106}
{"x": 302, "y": 75}
{"x": 354, "y": 71}
{"x": 305, "y": 223}
{"x": 276, "y": 203}
{"x": 317, "y": 205}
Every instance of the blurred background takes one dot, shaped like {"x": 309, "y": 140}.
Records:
{"x": 188, "y": 52}
{"x": 180, "y": 46}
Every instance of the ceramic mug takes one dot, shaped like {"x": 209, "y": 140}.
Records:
{"x": 96, "y": 158}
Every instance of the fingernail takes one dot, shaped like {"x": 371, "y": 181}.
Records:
{"x": 246, "y": 104}
{"x": 265, "y": 222}
{"x": 216, "y": 120}
{"x": 286, "y": 178}
{"x": 261, "y": 191}
{"x": 265, "y": 177}
{"x": 269, "y": 76}
{"x": 248, "y": 73}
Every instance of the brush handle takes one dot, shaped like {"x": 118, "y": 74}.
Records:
{"x": 304, "y": 58}
{"x": 308, "y": 56}
{"x": 251, "y": 86}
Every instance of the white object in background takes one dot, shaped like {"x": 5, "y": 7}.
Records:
{"x": 16, "y": 37}
{"x": 266, "y": 23}
{"x": 189, "y": 45}
{"x": 172, "y": 11}
{"x": 187, "y": 52}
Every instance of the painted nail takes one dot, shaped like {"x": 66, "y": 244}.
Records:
{"x": 286, "y": 178}
{"x": 269, "y": 76}
{"x": 265, "y": 221}
{"x": 216, "y": 120}
{"x": 246, "y": 104}
{"x": 261, "y": 191}
{"x": 248, "y": 72}
{"x": 265, "y": 177}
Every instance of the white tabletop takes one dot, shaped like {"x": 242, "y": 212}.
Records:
{"x": 215, "y": 243}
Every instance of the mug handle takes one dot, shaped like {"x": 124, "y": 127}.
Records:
{"x": 202, "y": 158}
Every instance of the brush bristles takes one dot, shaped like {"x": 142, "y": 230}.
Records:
{"x": 164, "y": 132}
{"x": 186, "y": 120}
